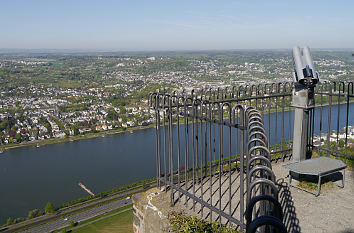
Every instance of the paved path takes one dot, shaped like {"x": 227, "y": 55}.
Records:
{"x": 61, "y": 223}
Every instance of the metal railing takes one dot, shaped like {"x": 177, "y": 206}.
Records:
{"x": 203, "y": 140}
{"x": 263, "y": 210}
{"x": 331, "y": 120}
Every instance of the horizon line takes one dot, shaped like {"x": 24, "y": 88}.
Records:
{"x": 74, "y": 50}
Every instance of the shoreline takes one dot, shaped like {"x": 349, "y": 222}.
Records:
{"x": 3, "y": 148}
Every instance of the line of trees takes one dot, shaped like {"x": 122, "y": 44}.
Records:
{"x": 49, "y": 209}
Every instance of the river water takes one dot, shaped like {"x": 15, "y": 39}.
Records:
{"x": 30, "y": 176}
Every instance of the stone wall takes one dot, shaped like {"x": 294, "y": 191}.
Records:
{"x": 151, "y": 210}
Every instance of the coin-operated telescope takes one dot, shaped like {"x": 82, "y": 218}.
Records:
{"x": 305, "y": 72}
{"x": 305, "y": 79}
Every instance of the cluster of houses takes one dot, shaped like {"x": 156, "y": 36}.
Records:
{"x": 321, "y": 139}
{"x": 38, "y": 112}
{"x": 44, "y": 119}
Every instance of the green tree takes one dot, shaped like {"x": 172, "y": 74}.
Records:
{"x": 67, "y": 132}
{"x": 93, "y": 128}
{"x": 18, "y": 137}
{"x": 49, "y": 208}
{"x": 9, "y": 221}
{"x": 112, "y": 115}
{"x": 5, "y": 124}
{"x": 75, "y": 129}
{"x": 341, "y": 143}
{"x": 17, "y": 103}
{"x": 124, "y": 118}
{"x": 34, "y": 213}
{"x": 122, "y": 110}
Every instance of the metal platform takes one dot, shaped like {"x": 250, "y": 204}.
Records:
{"x": 321, "y": 166}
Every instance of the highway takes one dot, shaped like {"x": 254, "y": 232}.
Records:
{"x": 89, "y": 208}
{"x": 64, "y": 222}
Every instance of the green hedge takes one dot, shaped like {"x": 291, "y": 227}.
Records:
{"x": 183, "y": 224}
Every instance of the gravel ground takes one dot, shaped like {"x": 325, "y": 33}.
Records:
{"x": 332, "y": 211}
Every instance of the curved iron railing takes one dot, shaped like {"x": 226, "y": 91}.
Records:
{"x": 208, "y": 140}
{"x": 263, "y": 209}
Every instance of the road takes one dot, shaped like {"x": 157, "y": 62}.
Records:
{"x": 96, "y": 203}
{"x": 79, "y": 217}
{"x": 99, "y": 219}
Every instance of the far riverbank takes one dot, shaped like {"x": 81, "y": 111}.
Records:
{"x": 131, "y": 129}
{"x": 73, "y": 138}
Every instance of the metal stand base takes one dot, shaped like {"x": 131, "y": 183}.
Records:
{"x": 318, "y": 184}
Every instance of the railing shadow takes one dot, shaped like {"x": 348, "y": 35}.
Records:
{"x": 290, "y": 219}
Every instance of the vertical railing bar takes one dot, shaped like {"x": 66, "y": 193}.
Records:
{"x": 329, "y": 118}
{"x": 206, "y": 142}
{"x": 290, "y": 128}
{"x": 262, "y": 102}
{"x": 269, "y": 107}
{"x": 220, "y": 115}
{"x": 230, "y": 211}
{"x": 313, "y": 127}
{"x": 222, "y": 138}
{"x": 205, "y": 166}
{"x": 170, "y": 141}
{"x": 338, "y": 115}
{"x": 321, "y": 112}
{"x": 201, "y": 156}
{"x": 164, "y": 143}
{"x": 211, "y": 161}
{"x": 242, "y": 192}
{"x": 197, "y": 139}
{"x": 193, "y": 156}
{"x": 346, "y": 122}
{"x": 158, "y": 149}
{"x": 276, "y": 123}
{"x": 186, "y": 144}
{"x": 283, "y": 124}
{"x": 247, "y": 154}
{"x": 236, "y": 120}
{"x": 309, "y": 140}
{"x": 178, "y": 150}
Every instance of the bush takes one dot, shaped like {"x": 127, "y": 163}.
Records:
{"x": 182, "y": 224}
{"x": 17, "y": 220}
{"x": 34, "y": 213}
{"x": 49, "y": 208}
{"x": 72, "y": 224}
{"x": 9, "y": 221}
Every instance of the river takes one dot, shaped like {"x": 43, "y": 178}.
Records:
{"x": 30, "y": 176}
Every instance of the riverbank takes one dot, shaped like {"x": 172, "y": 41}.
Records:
{"x": 264, "y": 111}
{"x": 73, "y": 138}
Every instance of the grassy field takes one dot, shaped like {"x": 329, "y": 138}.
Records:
{"x": 120, "y": 223}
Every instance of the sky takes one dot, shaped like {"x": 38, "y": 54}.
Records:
{"x": 175, "y": 25}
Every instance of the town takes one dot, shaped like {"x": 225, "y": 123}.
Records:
{"x": 45, "y": 96}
